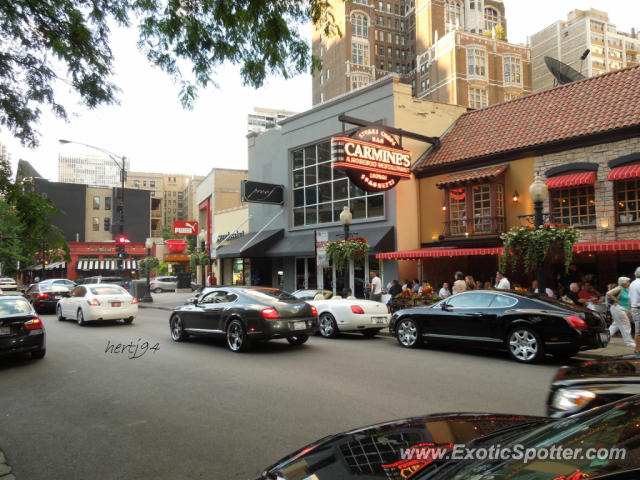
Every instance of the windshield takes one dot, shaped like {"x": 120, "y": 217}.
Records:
{"x": 13, "y": 306}
{"x": 614, "y": 431}
{"x": 111, "y": 290}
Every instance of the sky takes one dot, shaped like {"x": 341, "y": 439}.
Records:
{"x": 156, "y": 134}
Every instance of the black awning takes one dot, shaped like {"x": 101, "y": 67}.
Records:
{"x": 380, "y": 239}
{"x": 248, "y": 246}
{"x": 300, "y": 245}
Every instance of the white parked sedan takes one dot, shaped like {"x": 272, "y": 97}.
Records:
{"x": 346, "y": 315}
{"x": 101, "y": 301}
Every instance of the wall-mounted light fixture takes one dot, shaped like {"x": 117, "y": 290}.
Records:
{"x": 604, "y": 224}
{"x": 516, "y": 197}
{"x": 444, "y": 208}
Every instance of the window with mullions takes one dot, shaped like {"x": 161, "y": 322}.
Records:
{"x": 320, "y": 192}
{"x": 360, "y": 26}
{"x": 476, "y": 62}
{"x": 453, "y": 15}
{"x": 512, "y": 69}
{"x": 481, "y": 208}
{"x": 628, "y": 200}
{"x": 360, "y": 53}
{"x": 491, "y": 18}
{"x": 458, "y": 214}
{"x": 574, "y": 205}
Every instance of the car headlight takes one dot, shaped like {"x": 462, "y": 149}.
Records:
{"x": 567, "y": 400}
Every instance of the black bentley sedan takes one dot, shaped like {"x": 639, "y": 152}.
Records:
{"x": 576, "y": 388}
{"x": 243, "y": 315}
{"x": 602, "y": 443}
{"x": 527, "y": 326}
{"x": 21, "y": 331}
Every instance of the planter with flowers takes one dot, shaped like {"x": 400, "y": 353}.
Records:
{"x": 532, "y": 245}
{"x": 340, "y": 251}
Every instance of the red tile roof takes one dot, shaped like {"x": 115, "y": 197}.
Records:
{"x": 591, "y": 106}
{"x": 471, "y": 175}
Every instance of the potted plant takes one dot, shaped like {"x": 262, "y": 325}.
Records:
{"x": 532, "y": 245}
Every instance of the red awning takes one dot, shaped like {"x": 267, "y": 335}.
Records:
{"x": 624, "y": 172}
{"x": 617, "y": 246}
{"x": 572, "y": 180}
{"x": 478, "y": 174}
{"x": 438, "y": 252}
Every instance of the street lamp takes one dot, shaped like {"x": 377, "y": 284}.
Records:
{"x": 539, "y": 192}
{"x": 345, "y": 218}
{"x": 147, "y": 293}
{"x": 123, "y": 175}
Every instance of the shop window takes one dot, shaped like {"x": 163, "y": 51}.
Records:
{"x": 628, "y": 200}
{"x": 320, "y": 192}
{"x": 574, "y": 205}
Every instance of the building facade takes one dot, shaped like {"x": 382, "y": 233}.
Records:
{"x": 279, "y": 248}
{"x": 568, "y": 40}
{"x": 91, "y": 169}
{"x": 263, "y": 119}
{"x": 413, "y": 39}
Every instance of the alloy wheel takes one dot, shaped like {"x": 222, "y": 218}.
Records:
{"x": 407, "y": 333}
{"x": 235, "y": 336}
{"x": 523, "y": 345}
{"x": 327, "y": 328}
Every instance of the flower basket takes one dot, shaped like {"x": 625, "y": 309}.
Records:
{"x": 340, "y": 251}
{"x": 533, "y": 245}
{"x": 199, "y": 258}
{"x": 147, "y": 264}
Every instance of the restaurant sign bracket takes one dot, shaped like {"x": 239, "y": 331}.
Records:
{"x": 372, "y": 156}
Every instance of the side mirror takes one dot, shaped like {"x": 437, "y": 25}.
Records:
{"x": 445, "y": 306}
{"x": 192, "y": 301}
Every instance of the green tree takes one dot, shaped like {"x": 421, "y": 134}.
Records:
{"x": 40, "y": 38}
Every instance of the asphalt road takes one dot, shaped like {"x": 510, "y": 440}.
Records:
{"x": 196, "y": 410}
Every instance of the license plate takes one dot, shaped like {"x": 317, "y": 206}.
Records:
{"x": 299, "y": 325}
{"x": 378, "y": 319}
{"x": 605, "y": 338}
{"x": 116, "y": 304}
{"x": 5, "y": 330}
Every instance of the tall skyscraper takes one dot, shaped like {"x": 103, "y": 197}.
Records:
{"x": 90, "y": 169}
{"x": 448, "y": 50}
{"x": 568, "y": 40}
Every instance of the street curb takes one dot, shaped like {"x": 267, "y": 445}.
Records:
{"x": 157, "y": 307}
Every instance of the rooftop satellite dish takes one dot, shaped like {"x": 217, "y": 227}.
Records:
{"x": 562, "y": 72}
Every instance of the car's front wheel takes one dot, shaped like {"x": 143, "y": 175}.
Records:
{"x": 80, "y": 318}
{"x": 408, "y": 333}
{"x": 177, "y": 329}
{"x": 237, "y": 336}
{"x": 328, "y": 325}
{"x": 298, "y": 340}
{"x": 59, "y": 313}
{"x": 524, "y": 345}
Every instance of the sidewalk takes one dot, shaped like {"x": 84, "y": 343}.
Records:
{"x": 615, "y": 348}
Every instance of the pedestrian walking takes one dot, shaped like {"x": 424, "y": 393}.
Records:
{"x": 459, "y": 285}
{"x": 634, "y": 303}
{"x": 620, "y": 312}
{"x": 502, "y": 282}
{"x": 376, "y": 287}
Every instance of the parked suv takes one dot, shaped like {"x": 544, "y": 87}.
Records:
{"x": 161, "y": 284}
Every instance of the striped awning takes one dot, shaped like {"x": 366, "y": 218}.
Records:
{"x": 616, "y": 246}
{"x": 624, "y": 173}
{"x": 438, "y": 252}
{"x": 571, "y": 180}
{"x": 55, "y": 265}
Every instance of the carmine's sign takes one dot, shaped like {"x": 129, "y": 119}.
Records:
{"x": 371, "y": 158}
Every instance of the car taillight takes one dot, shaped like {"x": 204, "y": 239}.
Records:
{"x": 270, "y": 314}
{"x": 44, "y": 295}
{"x": 134, "y": 301}
{"x": 357, "y": 309}
{"x": 93, "y": 302}
{"x": 576, "y": 322}
{"x": 35, "y": 324}
{"x": 388, "y": 309}
{"x": 314, "y": 311}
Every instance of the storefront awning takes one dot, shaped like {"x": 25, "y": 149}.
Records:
{"x": 625, "y": 172}
{"x": 475, "y": 175}
{"x": 617, "y": 246}
{"x": 571, "y": 180}
{"x": 105, "y": 265}
{"x": 55, "y": 265}
{"x": 255, "y": 247}
{"x": 438, "y": 252}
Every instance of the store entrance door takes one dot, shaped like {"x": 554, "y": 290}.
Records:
{"x": 306, "y": 273}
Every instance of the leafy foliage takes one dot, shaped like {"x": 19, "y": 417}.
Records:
{"x": 41, "y": 38}
{"x": 532, "y": 245}
{"x": 199, "y": 258}
{"x": 340, "y": 251}
{"x": 147, "y": 265}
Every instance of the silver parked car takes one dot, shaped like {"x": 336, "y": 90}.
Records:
{"x": 8, "y": 285}
{"x": 163, "y": 284}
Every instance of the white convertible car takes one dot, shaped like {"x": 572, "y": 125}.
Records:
{"x": 346, "y": 315}
{"x": 98, "y": 302}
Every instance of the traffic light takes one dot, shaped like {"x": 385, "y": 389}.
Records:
{"x": 121, "y": 243}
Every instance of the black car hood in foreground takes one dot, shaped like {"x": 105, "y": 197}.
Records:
{"x": 375, "y": 452}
